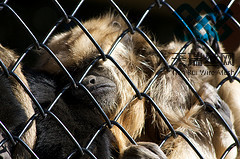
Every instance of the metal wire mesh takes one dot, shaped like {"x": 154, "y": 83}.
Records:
{"x": 66, "y": 18}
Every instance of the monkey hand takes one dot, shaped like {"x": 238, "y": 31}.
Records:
{"x": 144, "y": 150}
{"x": 210, "y": 96}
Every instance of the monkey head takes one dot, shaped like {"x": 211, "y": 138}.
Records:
{"x": 76, "y": 51}
{"x": 129, "y": 62}
{"x": 98, "y": 84}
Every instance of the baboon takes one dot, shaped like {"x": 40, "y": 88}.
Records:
{"x": 113, "y": 92}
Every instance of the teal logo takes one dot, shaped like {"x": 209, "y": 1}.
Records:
{"x": 190, "y": 15}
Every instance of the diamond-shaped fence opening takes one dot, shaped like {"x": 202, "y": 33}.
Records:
{"x": 70, "y": 17}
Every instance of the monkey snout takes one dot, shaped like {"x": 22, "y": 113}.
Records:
{"x": 90, "y": 80}
{"x": 95, "y": 82}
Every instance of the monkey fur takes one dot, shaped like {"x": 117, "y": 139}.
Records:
{"x": 112, "y": 91}
{"x": 16, "y": 106}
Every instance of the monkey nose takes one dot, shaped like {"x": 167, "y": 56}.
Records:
{"x": 89, "y": 80}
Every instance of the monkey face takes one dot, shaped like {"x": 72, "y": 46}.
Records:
{"x": 101, "y": 88}
{"x": 75, "y": 50}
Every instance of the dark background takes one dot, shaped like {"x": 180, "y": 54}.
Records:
{"x": 41, "y": 16}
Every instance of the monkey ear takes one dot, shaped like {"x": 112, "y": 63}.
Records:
{"x": 116, "y": 24}
{"x": 119, "y": 24}
{"x": 127, "y": 40}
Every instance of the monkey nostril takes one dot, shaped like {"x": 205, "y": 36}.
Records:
{"x": 92, "y": 81}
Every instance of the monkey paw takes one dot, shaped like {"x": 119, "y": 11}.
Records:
{"x": 210, "y": 96}
{"x": 144, "y": 150}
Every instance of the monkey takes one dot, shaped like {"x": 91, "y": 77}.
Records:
{"x": 113, "y": 92}
{"x": 229, "y": 91}
{"x": 47, "y": 145}
{"x": 228, "y": 88}
{"x": 83, "y": 120}
{"x": 16, "y": 106}
{"x": 169, "y": 91}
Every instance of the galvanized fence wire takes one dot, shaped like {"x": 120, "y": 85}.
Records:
{"x": 133, "y": 29}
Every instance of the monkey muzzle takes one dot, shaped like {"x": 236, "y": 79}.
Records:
{"x": 99, "y": 84}
{"x": 101, "y": 88}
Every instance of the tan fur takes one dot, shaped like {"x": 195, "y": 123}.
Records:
{"x": 22, "y": 106}
{"x": 169, "y": 91}
{"x": 230, "y": 92}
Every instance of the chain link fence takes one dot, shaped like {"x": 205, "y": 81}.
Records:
{"x": 65, "y": 18}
